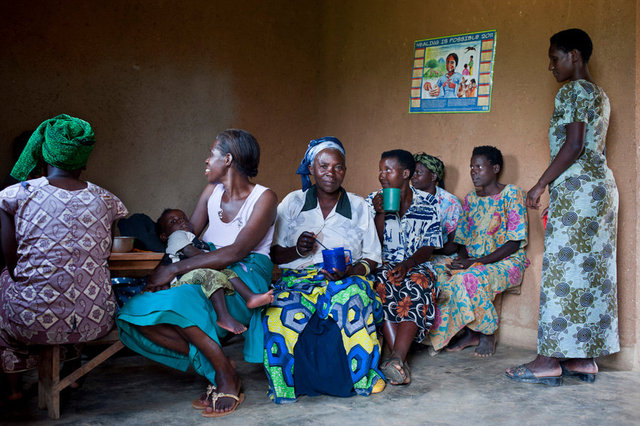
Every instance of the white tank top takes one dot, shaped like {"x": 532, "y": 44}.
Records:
{"x": 224, "y": 234}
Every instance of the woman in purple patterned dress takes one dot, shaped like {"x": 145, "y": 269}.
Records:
{"x": 56, "y": 236}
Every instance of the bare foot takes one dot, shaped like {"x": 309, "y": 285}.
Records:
{"x": 542, "y": 366}
{"x": 468, "y": 338}
{"x": 228, "y": 323}
{"x": 486, "y": 346}
{"x": 260, "y": 299}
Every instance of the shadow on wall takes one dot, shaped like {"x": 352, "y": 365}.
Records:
{"x": 451, "y": 178}
{"x": 511, "y": 172}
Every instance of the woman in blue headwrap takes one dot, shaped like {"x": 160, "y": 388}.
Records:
{"x": 316, "y": 311}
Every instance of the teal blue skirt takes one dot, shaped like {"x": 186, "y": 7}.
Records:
{"x": 187, "y": 306}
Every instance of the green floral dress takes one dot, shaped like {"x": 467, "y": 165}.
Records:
{"x": 578, "y": 294}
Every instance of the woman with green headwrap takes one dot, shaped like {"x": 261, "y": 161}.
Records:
{"x": 56, "y": 236}
{"x": 429, "y": 177}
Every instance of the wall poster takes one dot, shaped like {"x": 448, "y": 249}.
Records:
{"x": 453, "y": 74}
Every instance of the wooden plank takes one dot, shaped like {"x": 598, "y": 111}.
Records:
{"x": 119, "y": 265}
{"x": 136, "y": 256}
{"x": 49, "y": 383}
{"x": 133, "y": 264}
{"x": 85, "y": 368}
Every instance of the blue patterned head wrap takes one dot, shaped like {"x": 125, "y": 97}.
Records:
{"x": 315, "y": 146}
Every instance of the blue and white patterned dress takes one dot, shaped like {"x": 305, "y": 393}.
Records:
{"x": 413, "y": 299}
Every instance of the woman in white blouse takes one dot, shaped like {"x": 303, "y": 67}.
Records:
{"x": 333, "y": 311}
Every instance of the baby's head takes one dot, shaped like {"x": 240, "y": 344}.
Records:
{"x": 170, "y": 221}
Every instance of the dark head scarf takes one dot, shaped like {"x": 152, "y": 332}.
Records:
{"x": 433, "y": 164}
{"x": 315, "y": 146}
{"x": 64, "y": 142}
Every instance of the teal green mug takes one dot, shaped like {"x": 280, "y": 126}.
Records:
{"x": 391, "y": 200}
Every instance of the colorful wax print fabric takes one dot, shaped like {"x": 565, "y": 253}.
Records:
{"x": 62, "y": 289}
{"x": 351, "y": 303}
{"x": 412, "y": 299}
{"x": 578, "y": 294}
{"x": 466, "y": 296}
{"x": 450, "y": 211}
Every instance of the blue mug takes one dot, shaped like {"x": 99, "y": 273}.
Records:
{"x": 335, "y": 258}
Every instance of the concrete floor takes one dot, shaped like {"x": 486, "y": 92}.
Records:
{"x": 450, "y": 388}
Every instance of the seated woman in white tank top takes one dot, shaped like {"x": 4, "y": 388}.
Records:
{"x": 177, "y": 326}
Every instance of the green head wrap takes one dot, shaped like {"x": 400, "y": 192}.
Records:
{"x": 64, "y": 142}
{"x": 433, "y": 164}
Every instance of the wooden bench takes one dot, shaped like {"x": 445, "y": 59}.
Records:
{"x": 50, "y": 384}
{"x": 497, "y": 303}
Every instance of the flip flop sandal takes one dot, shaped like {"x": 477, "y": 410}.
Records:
{"x": 393, "y": 370}
{"x": 384, "y": 364}
{"x": 201, "y": 403}
{"x": 407, "y": 373}
{"x": 585, "y": 377}
{"x": 214, "y": 396}
{"x": 524, "y": 375}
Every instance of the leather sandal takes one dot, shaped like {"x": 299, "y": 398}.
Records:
{"x": 585, "y": 377}
{"x": 214, "y": 396}
{"x": 201, "y": 403}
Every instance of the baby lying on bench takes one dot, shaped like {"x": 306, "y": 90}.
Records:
{"x": 176, "y": 231}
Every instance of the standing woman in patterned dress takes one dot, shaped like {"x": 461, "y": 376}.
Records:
{"x": 578, "y": 302}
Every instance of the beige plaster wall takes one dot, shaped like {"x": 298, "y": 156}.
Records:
{"x": 158, "y": 79}
{"x": 365, "y": 96}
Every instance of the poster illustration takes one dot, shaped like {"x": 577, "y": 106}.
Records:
{"x": 453, "y": 74}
